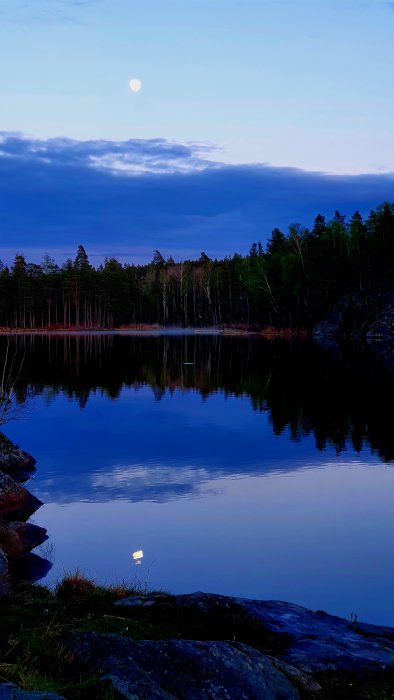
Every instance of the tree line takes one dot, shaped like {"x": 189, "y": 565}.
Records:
{"x": 293, "y": 281}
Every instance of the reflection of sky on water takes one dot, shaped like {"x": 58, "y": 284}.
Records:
{"x": 214, "y": 499}
{"x": 136, "y": 448}
{"x": 316, "y": 537}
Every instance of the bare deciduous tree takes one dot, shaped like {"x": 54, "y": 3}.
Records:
{"x": 10, "y": 371}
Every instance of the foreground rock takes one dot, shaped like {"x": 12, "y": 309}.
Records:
{"x": 29, "y": 535}
{"x": 14, "y": 461}
{"x": 16, "y": 502}
{"x": 310, "y": 641}
{"x": 29, "y": 568}
{"x": 17, "y": 538}
{"x": 168, "y": 670}
{"x": 5, "y": 580}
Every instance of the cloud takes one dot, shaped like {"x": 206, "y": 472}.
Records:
{"x": 45, "y": 11}
{"x": 129, "y": 157}
{"x": 129, "y": 198}
{"x": 156, "y": 483}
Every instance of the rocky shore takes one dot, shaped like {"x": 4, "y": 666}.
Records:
{"x": 287, "y": 645}
{"x": 105, "y": 643}
{"x": 17, "y": 536}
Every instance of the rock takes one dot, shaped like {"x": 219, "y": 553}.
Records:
{"x": 384, "y": 350}
{"x": 379, "y": 330}
{"x": 300, "y": 679}
{"x": 360, "y": 316}
{"x": 16, "y": 565}
{"x": 175, "y": 669}
{"x": 16, "y": 503}
{"x": 5, "y": 580}
{"x": 10, "y": 541}
{"x": 310, "y": 641}
{"x": 9, "y": 691}
{"x": 320, "y": 641}
{"x": 382, "y": 326}
{"x": 30, "y": 568}
{"x": 17, "y": 539}
{"x": 14, "y": 461}
{"x": 30, "y": 535}
{"x": 330, "y": 327}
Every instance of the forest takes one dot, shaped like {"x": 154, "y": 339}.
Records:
{"x": 293, "y": 281}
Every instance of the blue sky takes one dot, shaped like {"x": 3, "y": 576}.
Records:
{"x": 233, "y": 90}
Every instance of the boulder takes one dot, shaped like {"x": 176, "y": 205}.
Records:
{"x": 14, "y": 461}
{"x": 321, "y": 642}
{"x": 300, "y": 679}
{"x": 182, "y": 669}
{"x": 384, "y": 350}
{"x": 382, "y": 326}
{"x": 10, "y": 541}
{"x": 360, "y": 316}
{"x": 5, "y": 580}
{"x": 17, "y": 538}
{"x": 330, "y": 327}
{"x": 310, "y": 641}
{"x": 30, "y": 568}
{"x": 30, "y": 535}
{"x": 16, "y": 503}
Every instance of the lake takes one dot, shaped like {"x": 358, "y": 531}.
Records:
{"x": 239, "y": 466}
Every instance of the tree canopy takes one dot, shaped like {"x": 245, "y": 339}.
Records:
{"x": 293, "y": 281}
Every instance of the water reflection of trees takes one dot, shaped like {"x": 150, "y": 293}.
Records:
{"x": 340, "y": 396}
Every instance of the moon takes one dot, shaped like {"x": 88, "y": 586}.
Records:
{"x": 135, "y": 85}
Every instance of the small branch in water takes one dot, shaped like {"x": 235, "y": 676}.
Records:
{"x": 9, "y": 377}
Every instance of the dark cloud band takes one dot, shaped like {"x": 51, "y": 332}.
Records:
{"x": 127, "y": 198}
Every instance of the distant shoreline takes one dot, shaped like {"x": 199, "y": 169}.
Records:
{"x": 269, "y": 333}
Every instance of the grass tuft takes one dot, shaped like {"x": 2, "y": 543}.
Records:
{"x": 75, "y": 585}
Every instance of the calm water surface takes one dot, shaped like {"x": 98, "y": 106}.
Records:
{"x": 259, "y": 470}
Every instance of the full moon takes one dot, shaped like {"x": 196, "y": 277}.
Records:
{"x": 135, "y": 85}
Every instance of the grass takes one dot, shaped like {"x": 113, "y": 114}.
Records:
{"x": 37, "y": 624}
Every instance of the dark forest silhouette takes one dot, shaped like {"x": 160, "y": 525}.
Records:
{"x": 294, "y": 281}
